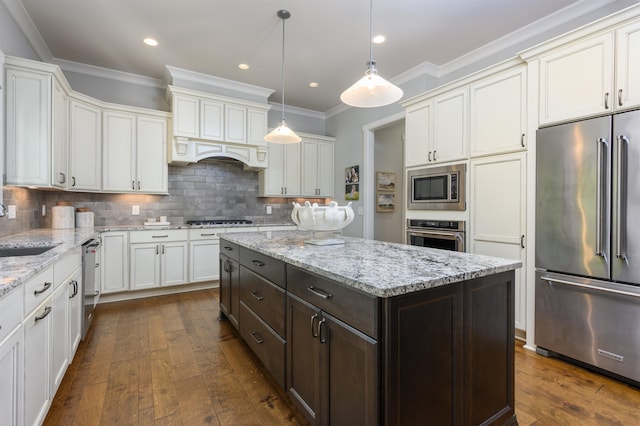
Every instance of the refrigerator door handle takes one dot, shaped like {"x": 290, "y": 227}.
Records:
{"x": 600, "y": 202}
{"x": 621, "y": 198}
{"x": 590, "y": 287}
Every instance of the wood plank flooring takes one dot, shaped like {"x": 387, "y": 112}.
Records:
{"x": 168, "y": 361}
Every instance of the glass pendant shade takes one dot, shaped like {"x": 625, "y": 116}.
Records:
{"x": 371, "y": 91}
{"x": 282, "y": 134}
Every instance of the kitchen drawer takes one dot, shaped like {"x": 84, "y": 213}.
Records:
{"x": 11, "y": 312}
{"x": 37, "y": 289}
{"x": 270, "y": 268}
{"x": 205, "y": 234}
{"x": 159, "y": 236}
{"x": 230, "y": 249}
{"x": 265, "y": 299}
{"x": 265, "y": 343}
{"x": 65, "y": 266}
{"x": 358, "y": 309}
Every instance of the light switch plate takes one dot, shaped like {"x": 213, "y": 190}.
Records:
{"x": 44, "y": 210}
{"x": 269, "y": 209}
{"x": 11, "y": 212}
{"x": 135, "y": 210}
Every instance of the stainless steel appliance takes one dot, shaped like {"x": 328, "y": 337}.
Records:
{"x": 440, "y": 234}
{"x": 91, "y": 292}
{"x": 587, "y": 247}
{"x": 437, "y": 188}
{"x": 205, "y": 222}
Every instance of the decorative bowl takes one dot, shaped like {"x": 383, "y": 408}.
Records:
{"x": 322, "y": 220}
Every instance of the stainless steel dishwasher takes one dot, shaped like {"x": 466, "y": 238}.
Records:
{"x": 91, "y": 292}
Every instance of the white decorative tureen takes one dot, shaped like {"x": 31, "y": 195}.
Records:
{"x": 324, "y": 221}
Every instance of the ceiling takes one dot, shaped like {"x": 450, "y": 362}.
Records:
{"x": 326, "y": 40}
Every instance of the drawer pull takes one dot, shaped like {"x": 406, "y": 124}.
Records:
{"x": 258, "y": 263}
{"x": 313, "y": 320}
{"x": 227, "y": 266}
{"x": 227, "y": 248}
{"x": 159, "y": 236}
{"x": 74, "y": 284}
{"x": 45, "y": 288}
{"x": 257, "y": 295}
{"x": 319, "y": 292}
{"x": 256, "y": 336}
{"x": 208, "y": 235}
{"x": 320, "y": 328}
{"x": 46, "y": 312}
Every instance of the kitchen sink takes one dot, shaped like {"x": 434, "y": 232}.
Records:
{"x": 23, "y": 251}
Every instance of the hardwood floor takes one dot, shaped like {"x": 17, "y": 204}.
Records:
{"x": 169, "y": 361}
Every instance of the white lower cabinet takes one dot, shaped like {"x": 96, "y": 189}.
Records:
{"x": 498, "y": 216}
{"x": 75, "y": 295}
{"x": 158, "y": 258}
{"x": 11, "y": 358}
{"x": 204, "y": 248}
{"x": 114, "y": 262}
{"x": 59, "y": 336}
{"x": 37, "y": 363}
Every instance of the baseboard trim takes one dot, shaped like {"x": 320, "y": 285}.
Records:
{"x": 160, "y": 291}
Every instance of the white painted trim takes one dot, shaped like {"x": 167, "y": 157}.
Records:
{"x": 23, "y": 20}
{"x": 218, "y": 82}
{"x": 298, "y": 111}
{"x": 159, "y": 291}
{"x": 109, "y": 74}
{"x": 367, "y": 187}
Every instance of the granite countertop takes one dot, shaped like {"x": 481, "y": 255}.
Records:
{"x": 16, "y": 270}
{"x": 378, "y": 268}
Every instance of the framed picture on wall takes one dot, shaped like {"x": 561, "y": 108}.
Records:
{"x": 352, "y": 192}
{"x": 352, "y": 174}
{"x": 385, "y": 181}
{"x": 385, "y": 202}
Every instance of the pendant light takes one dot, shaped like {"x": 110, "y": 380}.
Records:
{"x": 282, "y": 133}
{"x": 371, "y": 90}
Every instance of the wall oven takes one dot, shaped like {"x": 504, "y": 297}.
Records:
{"x": 437, "y": 188}
{"x": 440, "y": 234}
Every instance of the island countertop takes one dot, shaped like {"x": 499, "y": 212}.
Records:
{"x": 375, "y": 267}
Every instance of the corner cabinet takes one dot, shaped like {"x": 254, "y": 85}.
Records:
{"x": 134, "y": 152}
{"x": 36, "y": 124}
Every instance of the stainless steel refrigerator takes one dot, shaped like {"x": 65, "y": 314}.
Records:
{"x": 587, "y": 300}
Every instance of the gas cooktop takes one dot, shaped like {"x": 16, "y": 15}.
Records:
{"x": 201, "y": 222}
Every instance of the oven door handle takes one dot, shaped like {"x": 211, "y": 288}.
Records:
{"x": 453, "y": 235}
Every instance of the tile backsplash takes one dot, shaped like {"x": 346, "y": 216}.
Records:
{"x": 205, "y": 190}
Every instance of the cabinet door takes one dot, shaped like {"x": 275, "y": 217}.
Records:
{"x": 37, "y": 364}
{"x": 303, "y": 354}
{"x": 498, "y": 218}
{"x": 151, "y": 155}
{"x": 85, "y": 159}
{"x": 256, "y": 126}
{"x": 349, "y": 369}
{"x": 174, "y": 263}
{"x": 211, "y": 120}
{"x": 203, "y": 255}
{"x": 118, "y": 155}
{"x": 114, "y": 264}
{"x": 75, "y": 292}
{"x": 419, "y": 133}
{"x": 28, "y": 103}
{"x": 230, "y": 289}
{"x": 310, "y": 167}
{"x": 576, "y": 81}
{"x": 59, "y": 336}
{"x": 272, "y": 179}
{"x": 186, "y": 116}
{"x": 325, "y": 169}
{"x": 11, "y": 371}
{"x": 60, "y": 148}
{"x": 292, "y": 178}
{"x": 498, "y": 118}
{"x": 145, "y": 265}
{"x": 628, "y": 66}
{"x": 235, "y": 124}
{"x": 450, "y": 112}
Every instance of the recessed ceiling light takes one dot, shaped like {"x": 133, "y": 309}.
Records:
{"x": 379, "y": 39}
{"x": 244, "y": 66}
{"x": 150, "y": 41}
{"x": 313, "y": 84}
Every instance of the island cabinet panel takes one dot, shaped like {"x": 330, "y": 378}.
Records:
{"x": 230, "y": 287}
{"x": 270, "y": 268}
{"x": 264, "y": 298}
{"x": 333, "y": 370}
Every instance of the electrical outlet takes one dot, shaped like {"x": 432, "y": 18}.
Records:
{"x": 44, "y": 210}
{"x": 135, "y": 210}
{"x": 269, "y": 210}
{"x": 11, "y": 212}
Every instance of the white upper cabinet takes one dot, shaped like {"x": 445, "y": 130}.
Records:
{"x": 134, "y": 153}
{"x": 256, "y": 127}
{"x": 235, "y": 124}
{"x": 317, "y": 167}
{"x": 628, "y": 66}
{"x": 437, "y": 129}
{"x": 36, "y": 124}
{"x": 211, "y": 120}
{"x": 186, "y": 116}
{"x": 498, "y": 113}
{"x": 282, "y": 177}
{"x": 85, "y": 146}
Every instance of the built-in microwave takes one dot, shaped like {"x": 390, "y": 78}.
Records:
{"x": 437, "y": 188}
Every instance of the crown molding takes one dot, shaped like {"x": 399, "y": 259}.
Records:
{"x": 23, "y": 20}
{"x": 298, "y": 111}
{"x": 216, "y": 82}
{"x": 108, "y": 73}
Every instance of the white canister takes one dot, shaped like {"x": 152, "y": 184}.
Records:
{"x": 84, "y": 220}
{"x": 63, "y": 217}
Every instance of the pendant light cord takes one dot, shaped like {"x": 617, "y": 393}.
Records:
{"x": 283, "y": 19}
{"x": 370, "y": 33}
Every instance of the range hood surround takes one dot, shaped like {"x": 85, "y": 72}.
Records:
{"x": 187, "y": 150}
